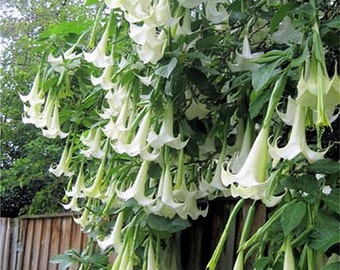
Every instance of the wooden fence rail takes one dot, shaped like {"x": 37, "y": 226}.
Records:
{"x": 29, "y": 243}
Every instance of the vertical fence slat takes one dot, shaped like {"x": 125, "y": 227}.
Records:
{"x": 22, "y": 242}
{"x": 66, "y": 230}
{"x": 7, "y": 244}
{"x": 38, "y": 224}
{"x": 2, "y": 240}
{"x": 76, "y": 236}
{"x": 45, "y": 244}
{"x": 55, "y": 240}
{"x": 14, "y": 246}
{"x": 28, "y": 245}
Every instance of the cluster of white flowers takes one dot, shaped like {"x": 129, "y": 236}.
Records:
{"x": 133, "y": 136}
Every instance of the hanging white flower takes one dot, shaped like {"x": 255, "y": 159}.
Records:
{"x": 98, "y": 56}
{"x": 297, "y": 140}
{"x": 244, "y": 60}
{"x": 165, "y": 135}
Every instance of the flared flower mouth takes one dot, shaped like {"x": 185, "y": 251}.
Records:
{"x": 244, "y": 59}
{"x": 166, "y": 135}
{"x": 297, "y": 140}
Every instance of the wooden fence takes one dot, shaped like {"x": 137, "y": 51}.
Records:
{"x": 29, "y": 243}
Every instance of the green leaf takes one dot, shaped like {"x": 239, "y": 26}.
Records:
{"x": 65, "y": 28}
{"x": 334, "y": 23}
{"x": 280, "y": 14}
{"x": 323, "y": 238}
{"x": 327, "y": 166}
{"x": 332, "y": 200}
{"x": 258, "y": 102}
{"x": 264, "y": 75}
{"x": 164, "y": 224}
{"x": 332, "y": 266}
{"x": 292, "y": 216}
{"x": 63, "y": 260}
{"x": 166, "y": 70}
{"x": 326, "y": 233}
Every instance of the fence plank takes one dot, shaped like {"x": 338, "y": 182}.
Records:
{"x": 14, "y": 245}
{"x": 28, "y": 245}
{"x": 76, "y": 236}
{"x": 66, "y": 230}
{"x": 38, "y": 224}
{"x": 55, "y": 240}
{"x": 5, "y": 227}
{"x": 45, "y": 244}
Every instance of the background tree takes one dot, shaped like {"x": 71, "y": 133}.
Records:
{"x": 26, "y": 155}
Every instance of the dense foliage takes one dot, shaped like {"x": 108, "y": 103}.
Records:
{"x": 164, "y": 106}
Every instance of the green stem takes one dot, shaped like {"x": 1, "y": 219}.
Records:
{"x": 217, "y": 253}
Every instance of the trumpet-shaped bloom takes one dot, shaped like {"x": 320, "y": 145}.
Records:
{"x": 52, "y": 129}
{"x": 163, "y": 13}
{"x": 315, "y": 89}
{"x": 244, "y": 60}
{"x": 297, "y": 140}
{"x": 116, "y": 129}
{"x": 137, "y": 189}
{"x": 64, "y": 164}
{"x": 32, "y": 115}
{"x": 114, "y": 239}
{"x": 286, "y": 33}
{"x": 94, "y": 144}
{"x": 98, "y": 56}
{"x": 215, "y": 12}
{"x": 44, "y": 119}
{"x": 138, "y": 146}
{"x": 105, "y": 79}
{"x": 151, "y": 45}
{"x": 57, "y": 63}
{"x": 72, "y": 205}
{"x": 116, "y": 100}
{"x": 94, "y": 190}
{"x": 250, "y": 181}
{"x": 35, "y": 96}
{"x": 79, "y": 187}
{"x": 165, "y": 135}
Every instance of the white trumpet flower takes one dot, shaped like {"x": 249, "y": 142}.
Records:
{"x": 114, "y": 239}
{"x": 94, "y": 145}
{"x": 52, "y": 129}
{"x": 297, "y": 140}
{"x": 214, "y": 14}
{"x": 105, "y": 79}
{"x": 94, "y": 190}
{"x": 244, "y": 60}
{"x": 250, "y": 181}
{"x": 72, "y": 205}
{"x": 138, "y": 146}
{"x": 116, "y": 129}
{"x": 98, "y": 56}
{"x": 165, "y": 136}
{"x": 35, "y": 96}
{"x": 64, "y": 164}
{"x": 79, "y": 187}
{"x": 57, "y": 63}
{"x": 137, "y": 189}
